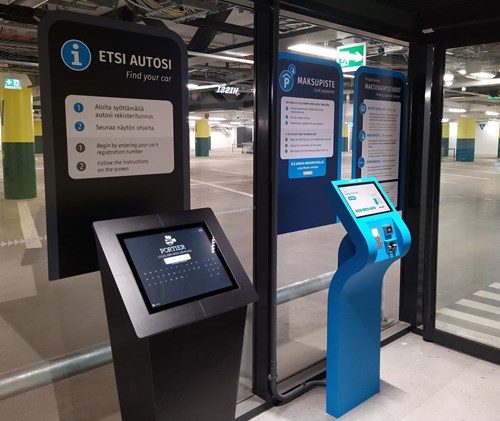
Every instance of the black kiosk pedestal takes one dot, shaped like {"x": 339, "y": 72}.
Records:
{"x": 176, "y": 297}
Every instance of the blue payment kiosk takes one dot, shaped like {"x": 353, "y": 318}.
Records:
{"x": 376, "y": 237}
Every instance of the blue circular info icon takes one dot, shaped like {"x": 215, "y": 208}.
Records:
{"x": 76, "y": 55}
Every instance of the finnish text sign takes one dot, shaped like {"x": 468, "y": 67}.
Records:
{"x": 310, "y": 109}
{"x": 114, "y": 137}
{"x": 114, "y": 101}
{"x": 379, "y": 128}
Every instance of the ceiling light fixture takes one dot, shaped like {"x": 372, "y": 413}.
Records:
{"x": 462, "y": 72}
{"x": 238, "y": 53}
{"x": 493, "y": 113}
{"x": 203, "y": 87}
{"x": 483, "y": 75}
{"x": 315, "y": 50}
{"x": 445, "y": 120}
{"x": 457, "y": 110}
{"x": 448, "y": 77}
{"x": 218, "y": 57}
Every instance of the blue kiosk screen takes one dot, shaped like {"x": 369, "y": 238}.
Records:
{"x": 173, "y": 266}
{"x": 364, "y": 199}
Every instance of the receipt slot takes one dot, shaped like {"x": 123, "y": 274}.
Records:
{"x": 376, "y": 237}
{"x": 176, "y": 298}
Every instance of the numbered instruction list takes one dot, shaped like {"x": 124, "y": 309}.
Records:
{"x": 113, "y": 137}
{"x": 306, "y": 128}
{"x": 380, "y": 138}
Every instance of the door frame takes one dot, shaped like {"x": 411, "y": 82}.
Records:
{"x": 430, "y": 182}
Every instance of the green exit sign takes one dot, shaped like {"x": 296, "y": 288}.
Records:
{"x": 352, "y": 56}
{"x": 10, "y": 83}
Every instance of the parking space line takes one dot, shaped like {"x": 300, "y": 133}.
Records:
{"x": 28, "y": 227}
{"x": 466, "y": 176}
{"x": 223, "y": 188}
{"x": 233, "y": 172}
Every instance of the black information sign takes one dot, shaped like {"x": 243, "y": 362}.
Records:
{"x": 114, "y": 103}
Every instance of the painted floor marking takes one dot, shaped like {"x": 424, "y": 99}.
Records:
{"x": 466, "y": 176}
{"x": 30, "y": 234}
{"x": 470, "y": 318}
{"x": 223, "y": 188}
{"x": 479, "y": 306}
{"x": 486, "y": 294}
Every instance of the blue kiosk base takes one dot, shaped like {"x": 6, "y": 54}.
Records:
{"x": 353, "y": 363}
{"x": 376, "y": 237}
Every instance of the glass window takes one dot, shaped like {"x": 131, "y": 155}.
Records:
{"x": 468, "y": 293}
{"x": 309, "y": 257}
{"x": 42, "y": 320}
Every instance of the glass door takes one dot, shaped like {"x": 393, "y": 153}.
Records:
{"x": 468, "y": 259}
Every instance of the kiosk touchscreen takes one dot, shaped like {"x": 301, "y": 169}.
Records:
{"x": 176, "y": 298}
{"x": 173, "y": 266}
{"x": 364, "y": 199}
{"x": 376, "y": 237}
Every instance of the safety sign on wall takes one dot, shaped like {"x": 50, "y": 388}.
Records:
{"x": 114, "y": 106}
{"x": 310, "y": 112}
{"x": 379, "y": 128}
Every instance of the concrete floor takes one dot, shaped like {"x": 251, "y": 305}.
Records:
{"x": 41, "y": 319}
{"x": 468, "y": 294}
{"x": 419, "y": 381}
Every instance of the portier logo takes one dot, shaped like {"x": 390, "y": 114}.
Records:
{"x": 76, "y": 55}
{"x": 169, "y": 241}
{"x": 286, "y": 78}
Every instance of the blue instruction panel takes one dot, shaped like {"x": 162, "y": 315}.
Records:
{"x": 379, "y": 128}
{"x": 309, "y": 121}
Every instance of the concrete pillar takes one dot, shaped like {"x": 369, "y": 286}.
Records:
{"x": 345, "y": 137}
{"x": 498, "y": 153}
{"x": 18, "y": 144}
{"x": 466, "y": 138}
{"x": 202, "y": 137}
{"x": 445, "y": 139}
{"x": 37, "y": 125}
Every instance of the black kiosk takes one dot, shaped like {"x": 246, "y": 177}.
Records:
{"x": 176, "y": 299}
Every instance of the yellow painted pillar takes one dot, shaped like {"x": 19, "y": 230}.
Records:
{"x": 345, "y": 137}
{"x": 445, "y": 139}
{"x": 18, "y": 144}
{"x": 498, "y": 153}
{"x": 202, "y": 137}
{"x": 37, "y": 127}
{"x": 466, "y": 138}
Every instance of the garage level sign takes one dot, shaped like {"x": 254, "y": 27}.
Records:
{"x": 310, "y": 112}
{"x": 114, "y": 105}
{"x": 379, "y": 128}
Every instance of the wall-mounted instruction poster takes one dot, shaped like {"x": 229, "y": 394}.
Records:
{"x": 310, "y": 113}
{"x": 379, "y": 128}
{"x": 114, "y": 105}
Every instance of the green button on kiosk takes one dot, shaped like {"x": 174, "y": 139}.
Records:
{"x": 176, "y": 299}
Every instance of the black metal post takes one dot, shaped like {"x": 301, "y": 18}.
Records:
{"x": 264, "y": 245}
{"x": 411, "y": 279}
